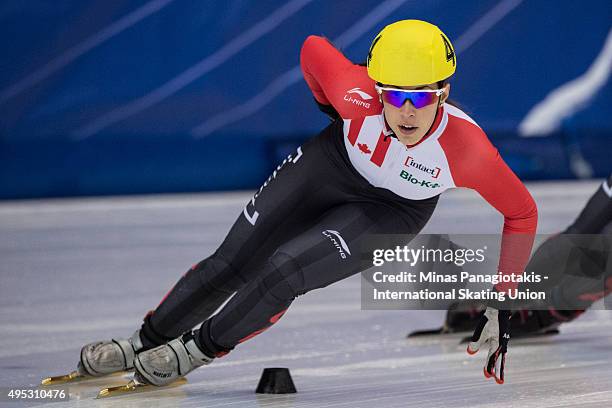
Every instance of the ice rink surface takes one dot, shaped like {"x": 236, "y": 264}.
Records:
{"x": 77, "y": 270}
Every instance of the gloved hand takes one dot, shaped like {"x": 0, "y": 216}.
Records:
{"x": 493, "y": 328}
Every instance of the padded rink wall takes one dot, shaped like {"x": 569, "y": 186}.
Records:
{"x": 153, "y": 96}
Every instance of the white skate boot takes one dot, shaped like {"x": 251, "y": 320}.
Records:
{"x": 101, "y": 358}
{"x": 106, "y": 357}
{"x": 165, "y": 364}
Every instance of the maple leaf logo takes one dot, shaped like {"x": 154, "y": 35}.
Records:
{"x": 364, "y": 148}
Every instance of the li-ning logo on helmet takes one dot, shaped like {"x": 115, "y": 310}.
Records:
{"x": 450, "y": 53}
{"x": 338, "y": 242}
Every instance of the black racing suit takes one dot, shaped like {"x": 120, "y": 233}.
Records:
{"x": 577, "y": 261}
{"x": 303, "y": 230}
{"x": 580, "y": 256}
{"x": 596, "y": 216}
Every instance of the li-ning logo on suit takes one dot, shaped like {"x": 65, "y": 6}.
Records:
{"x": 359, "y": 92}
{"x": 359, "y": 102}
{"x": 252, "y": 218}
{"x": 338, "y": 242}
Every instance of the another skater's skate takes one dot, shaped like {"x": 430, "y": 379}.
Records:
{"x": 524, "y": 323}
{"x": 102, "y": 358}
{"x": 460, "y": 317}
{"x": 535, "y": 323}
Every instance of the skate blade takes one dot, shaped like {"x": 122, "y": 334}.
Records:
{"x": 523, "y": 336}
{"x": 133, "y": 387}
{"x": 63, "y": 379}
{"x": 73, "y": 377}
{"x": 422, "y": 333}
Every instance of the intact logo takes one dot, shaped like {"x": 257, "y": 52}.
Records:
{"x": 359, "y": 102}
{"x": 424, "y": 183}
{"x": 434, "y": 171}
{"x": 364, "y": 148}
{"x": 338, "y": 242}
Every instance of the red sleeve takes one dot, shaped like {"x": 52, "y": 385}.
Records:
{"x": 330, "y": 75}
{"x": 481, "y": 168}
{"x": 503, "y": 190}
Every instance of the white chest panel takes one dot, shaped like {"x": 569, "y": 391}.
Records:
{"x": 416, "y": 173}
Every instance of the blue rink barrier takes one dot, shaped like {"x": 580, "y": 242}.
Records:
{"x": 142, "y": 165}
{"x": 55, "y": 168}
{"x": 153, "y": 96}
{"x": 538, "y": 158}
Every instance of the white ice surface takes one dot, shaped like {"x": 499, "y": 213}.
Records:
{"x": 74, "y": 271}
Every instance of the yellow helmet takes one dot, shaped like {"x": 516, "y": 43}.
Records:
{"x": 411, "y": 53}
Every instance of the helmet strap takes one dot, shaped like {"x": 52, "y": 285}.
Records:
{"x": 391, "y": 132}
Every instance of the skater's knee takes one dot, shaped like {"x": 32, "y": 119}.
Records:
{"x": 283, "y": 279}
{"x": 217, "y": 273}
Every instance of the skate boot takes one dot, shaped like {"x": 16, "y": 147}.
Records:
{"x": 523, "y": 323}
{"x": 106, "y": 357}
{"x": 527, "y": 323}
{"x": 165, "y": 364}
{"x": 462, "y": 317}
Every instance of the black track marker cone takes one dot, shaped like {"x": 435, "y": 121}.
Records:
{"x": 275, "y": 381}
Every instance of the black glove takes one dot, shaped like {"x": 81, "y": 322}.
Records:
{"x": 493, "y": 328}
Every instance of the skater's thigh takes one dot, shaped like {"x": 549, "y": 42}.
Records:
{"x": 289, "y": 198}
{"x": 329, "y": 250}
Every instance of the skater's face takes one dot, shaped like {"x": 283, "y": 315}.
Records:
{"x": 417, "y": 111}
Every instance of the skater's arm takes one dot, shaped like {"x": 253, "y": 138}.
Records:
{"x": 330, "y": 76}
{"x": 485, "y": 171}
{"x": 506, "y": 193}
{"x": 500, "y": 187}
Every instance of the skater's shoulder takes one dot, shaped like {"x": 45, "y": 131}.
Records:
{"x": 463, "y": 134}
{"x": 458, "y": 115}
